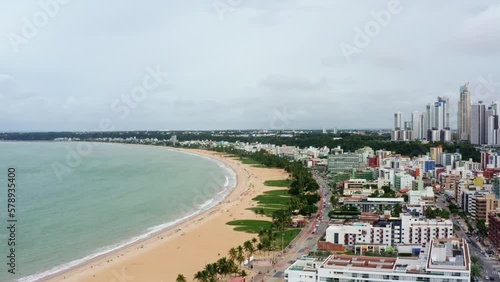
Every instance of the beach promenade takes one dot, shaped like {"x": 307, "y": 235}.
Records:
{"x": 188, "y": 247}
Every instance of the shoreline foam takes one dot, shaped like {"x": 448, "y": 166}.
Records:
{"x": 187, "y": 247}
{"x": 229, "y": 185}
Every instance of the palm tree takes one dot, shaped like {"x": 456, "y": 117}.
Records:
{"x": 260, "y": 247}
{"x": 248, "y": 246}
{"x": 201, "y": 276}
{"x": 232, "y": 267}
{"x": 180, "y": 278}
{"x": 254, "y": 240}
{"x": 239, "y": 249}
{"x": 233, "y": 253}
{"x": 243, "y": 273}
{"x": 211, "y": 270}
{"x": 476, "y": 269}
{"x": 223, "y": 266}
{"x": 240, "y": 257}
{"x": 282, "y": 219}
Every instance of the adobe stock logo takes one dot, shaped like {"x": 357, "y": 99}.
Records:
{"x": 31, "y": 26}
{"x": 281, "y": 119}
{"x": 224, "y": 6}
{"x": 363, "y": 37}
{"x": 122, "y": 106}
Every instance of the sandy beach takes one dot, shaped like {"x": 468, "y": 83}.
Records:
{"x": 188, "y": 247}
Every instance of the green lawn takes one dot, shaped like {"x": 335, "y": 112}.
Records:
{"x": 250, "y": 226}
{"x": 268, "y": 211}
{"x": 278, "y": 183}
{"x": 250, "y": 162}
{"x": 271, "y": 201}
{"x": 254, "y": 226}
{"x": 288, "y": 236}
{"x": 282, "y": 192}
{"x": 273, "y": 198}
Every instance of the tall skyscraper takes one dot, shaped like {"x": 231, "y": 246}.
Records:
{"x": 496, "y": 107}
{"x": 398, "y": 121}
{"x": 492, "y": 126}
{"x": 442, "y": 113}
{"x": 430, "y": 116}
{"x": 478, "y": 124}
{"x": 399, "y": 133}
{"x": 464, "y": 113}
{"x": 415, "y": 126}
{"x": 423, "y": 126}
{"x": 489, "y": 127}
{"x": 407, "y": 131}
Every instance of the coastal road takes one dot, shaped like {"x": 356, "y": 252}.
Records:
{"x": 490, "y": 264}
{"x": 306, "y": 240}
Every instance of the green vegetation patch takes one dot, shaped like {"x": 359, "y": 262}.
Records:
{"x": 268, "y": 211}
{"x": 250, "y": 162}
{"x": 278, "y": 183}
{"x": 273, "y": 199}
{"x": 288, "y": 236}
{"x": 250, "y": 226}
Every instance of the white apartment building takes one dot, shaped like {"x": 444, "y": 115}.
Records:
{"x": 421, "y": 197}
{"x": 441, "y": 260}
{"x": 493, "y": 160}
{"x": 407, "y": 229}
{"x": 403, "y": 181}
{"x": 361, "y": 234}
{"x": 414, "y": 230}
{"x": 374, "y": 204}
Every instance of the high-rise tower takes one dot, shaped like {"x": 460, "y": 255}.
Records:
{"x": 398, "y": 121}
{"x": 464, "y": 113}
{"x": 415, "y": 126}
{"x": 478, "y": 124}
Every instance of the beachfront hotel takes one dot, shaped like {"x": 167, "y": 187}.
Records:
{"x": 443, "y": 260}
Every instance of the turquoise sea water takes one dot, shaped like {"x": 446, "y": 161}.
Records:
{"x": 75, "y": 201}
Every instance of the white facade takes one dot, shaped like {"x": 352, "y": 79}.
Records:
{"x": 423, "y": 126}
{"x": 493, "y": 161}
{"x": 441, "y": 260}
{"x": 419, "y": 231}
{"x": 406, "y": 181}
{"x": 464, "y": 113}
{"x": 398, "y": 121}
{"x": 410, "y": 230}
{"x": 415, "y": 126}
{"x": 478, "y": 124}
{"x": 359, "y": 233}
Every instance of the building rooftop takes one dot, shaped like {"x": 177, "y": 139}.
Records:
{"x": 441, "y": 255}
{"x": 350, "y": 261}
{"x": 450, "y": 253}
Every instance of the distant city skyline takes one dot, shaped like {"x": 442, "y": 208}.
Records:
{"x": 262, "y": 65}
{"x": 477, "y": 123}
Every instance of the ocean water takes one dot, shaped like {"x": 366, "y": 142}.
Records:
{"x": 77, "y": 200}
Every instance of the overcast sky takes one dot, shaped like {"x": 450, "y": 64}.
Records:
{"x": 239, "y": 64}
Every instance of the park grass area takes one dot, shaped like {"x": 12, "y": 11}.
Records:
{"x": 278, "y": 183}
{"x": 288, "y": 236}
{"x": 253, "y": 163}
{"x": 255, "y": 226}
{"x": 250, "y": 226}
{"x": 271, "y": 201}
{"x": 250, "y": 162}
{"x": 267, "y": 211}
